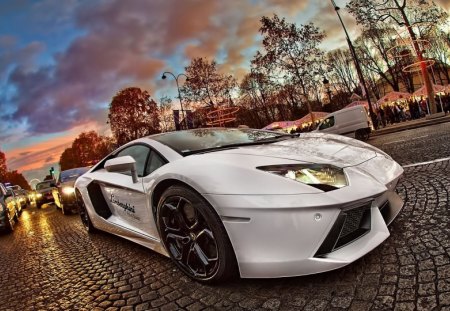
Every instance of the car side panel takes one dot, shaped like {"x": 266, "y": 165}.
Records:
{"x": 127, "y": 201}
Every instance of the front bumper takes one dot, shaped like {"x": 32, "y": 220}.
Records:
{"x": 68, "y": 200}
{"x": 281, "y": 235}
{"x": 45, "y": 198}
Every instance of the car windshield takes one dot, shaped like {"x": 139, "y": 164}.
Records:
{"x": 198, "y": 140}
{"x": 43, "y": 185}
{"x": 72, "y": 174}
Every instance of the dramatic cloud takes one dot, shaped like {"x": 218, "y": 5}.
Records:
{"x": 75, "y": 55}
{"x": 42, "y": 155}
{"x": 124, "y": 42}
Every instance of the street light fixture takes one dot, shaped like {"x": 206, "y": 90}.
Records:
{"x": 176, "y": 77}
{"x": 326, "y": 84}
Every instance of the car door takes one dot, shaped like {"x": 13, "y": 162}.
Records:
{"x": 127, "y": 201}
{"x": 10, "y": 202}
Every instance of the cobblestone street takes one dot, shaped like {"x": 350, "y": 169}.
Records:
{"x": 51, "y": 263}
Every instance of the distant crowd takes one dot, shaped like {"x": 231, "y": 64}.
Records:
{"x": 413, "y": 109}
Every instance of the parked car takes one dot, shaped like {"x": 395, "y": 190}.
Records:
{"x": 44, "y": 192}
{"x": 20, "y": 196}
{"x": 9, "y": 214}
{"x": 64, "y": 195}
{"x": 353, "y": 122}
{"x": 222, "y": 202}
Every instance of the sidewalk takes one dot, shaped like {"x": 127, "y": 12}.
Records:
{"x": 408, "y": 125}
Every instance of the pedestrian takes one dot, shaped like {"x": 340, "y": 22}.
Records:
{"x": 396, "y": 111}
{"x": 402, "y": 114}
{"x": 424, "y": 106}
{"x": 418, "y": 109}
{"x": 383, "y": 116}
{"x": 389, "y": 114}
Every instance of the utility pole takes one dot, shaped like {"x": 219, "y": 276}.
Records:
{"x": 357, "y": 66}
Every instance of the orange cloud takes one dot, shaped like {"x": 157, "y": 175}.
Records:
{"x": 39, "y": 155}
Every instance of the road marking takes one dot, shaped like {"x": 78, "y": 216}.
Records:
{"x": 426, "y": 163}
{"x": 395, "y": 141}
{"x": 402, "y": 140}
{"x": 422, "y": 136}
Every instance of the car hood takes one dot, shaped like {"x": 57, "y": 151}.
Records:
{"x": 314, "y": 148}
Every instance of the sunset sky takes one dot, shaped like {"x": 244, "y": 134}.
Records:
{"x": 61, "y": 61}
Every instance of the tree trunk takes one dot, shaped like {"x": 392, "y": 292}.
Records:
{"x": 423, "y": 65}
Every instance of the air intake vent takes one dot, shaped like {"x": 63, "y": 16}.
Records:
{"x": 350, "y": 225}
{"x": 98, "y": 200}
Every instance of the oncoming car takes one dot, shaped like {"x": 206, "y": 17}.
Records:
{"x": 44, "y": 193}
{"x": 64, "y": 195}
{"x": 259, "y": 204}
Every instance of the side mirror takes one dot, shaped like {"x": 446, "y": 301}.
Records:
{"x": 123, "y": 164}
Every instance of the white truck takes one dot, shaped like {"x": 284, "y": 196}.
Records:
{"x": 353, "y": 122}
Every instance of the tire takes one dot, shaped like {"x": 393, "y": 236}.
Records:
{"x": 85, "y": 219}
{"x": 194, "y": 236}
{"x": 38, "y": 205}
{"x": 362, "y": 135}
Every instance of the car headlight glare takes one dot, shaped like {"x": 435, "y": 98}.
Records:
{"x": 68, "y": 190}
{"x": 38, "y": 195}
{"x": 322, "y": 176}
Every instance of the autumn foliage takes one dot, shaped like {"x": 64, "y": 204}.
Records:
{"x": 132, "y": 115}
{"x": 86, "y": 150}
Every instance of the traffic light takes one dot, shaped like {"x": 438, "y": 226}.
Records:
{"x": 52, "y": 172}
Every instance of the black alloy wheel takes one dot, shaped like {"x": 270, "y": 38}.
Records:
{"x": 194, "y": 236}
{"x": 85, "y": 220}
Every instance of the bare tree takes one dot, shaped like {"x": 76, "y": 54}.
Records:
{"x": 293, "y": 51}
{"x": 405, "y": 13}
{"x": 205, "y": 85}
{"x": 166, "y": 114}
{"x": 343, "y": 74}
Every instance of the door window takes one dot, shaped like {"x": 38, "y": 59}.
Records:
{"x": 154, "y": 163}
{"x": 328, "y": 122}
{"x": 140, "y": 154}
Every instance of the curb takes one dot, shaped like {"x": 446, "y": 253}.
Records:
{"x": 411, "y": 126}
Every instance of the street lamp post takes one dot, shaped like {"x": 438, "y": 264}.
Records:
{"x": 178, "y": 88}
{"x": 357, "y": 64}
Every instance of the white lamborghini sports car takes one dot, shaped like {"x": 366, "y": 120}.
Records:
{"x": 259, "y": 204}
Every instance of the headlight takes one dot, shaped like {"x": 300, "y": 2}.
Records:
{"x": 38, "y": 195}
{"x": 68, "y": 190}
{"x": 321, "y": 176}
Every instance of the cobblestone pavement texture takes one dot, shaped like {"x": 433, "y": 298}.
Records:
{"x": 50, "y": 263}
